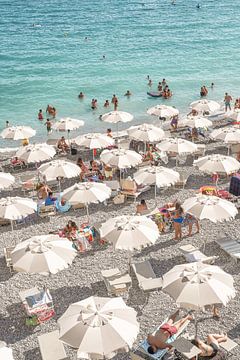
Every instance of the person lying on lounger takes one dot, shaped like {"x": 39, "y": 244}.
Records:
{"x": 210, "y": 348}
{"x": 159, "y": 340}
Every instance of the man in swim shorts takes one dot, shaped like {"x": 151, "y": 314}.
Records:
{"x": 227, "y": 101}
{"x": 170, "y": 328}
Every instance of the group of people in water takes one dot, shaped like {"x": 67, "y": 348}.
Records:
{"x": 163, "y": 88}
{"x": 114, "y": 101}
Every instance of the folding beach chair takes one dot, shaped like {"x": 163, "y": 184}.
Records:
{"x": 146, "y": 277}
{"x": 116, "y": 282}
{"x": 193, "y": 254}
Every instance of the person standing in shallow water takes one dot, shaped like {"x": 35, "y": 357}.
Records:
{"x": 227, "y": 102}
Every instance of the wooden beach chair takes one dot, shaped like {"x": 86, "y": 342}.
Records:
{"x": 193, "y": 254}
{"x": 47, "y": 211}
{"x": 181, "y": 183}
{"x": 7, "y": 254}
{"x": 146, "y": 277}
{"x": 141, "y": 351}
{"x": 116, "y": 282}
{"x": 51, "y": 347}
{"x": 230, "y": 246}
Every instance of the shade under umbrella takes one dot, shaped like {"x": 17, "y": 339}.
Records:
{"x": 115, "y": 117}
{"x": 94, "y": 141}
{"x": 121, "y": 158}
{"x": 18, "y": 132}
{"x": 177, "y": 146}
{"x": 210, "y": 207}
{"x": 130, "y": 232}
{"x": 67, "y": 124}
{"x": 43, "y": 254}
{"x": 196, "y": 122}
{"x": 163, "y": 111}
{"x": 36, "y": 153}
{"x": 196, "y": 285}
{"x": 230, "y": 135}
{"x": 205, "y": 105}
{"x": 219, "y": 164}
{"x": 59, "y": 169}
{"x": 146, "y": 133}
{"x": 99, "y": 327}
{"x": 6, "y": 180}
{"x": 87, "y": 193}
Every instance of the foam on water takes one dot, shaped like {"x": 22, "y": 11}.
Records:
{"x": 51, "y": 63}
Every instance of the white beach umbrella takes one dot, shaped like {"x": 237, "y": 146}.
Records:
{"x": 114, "y": 117}
{"x": 205, "y": 105}
{"x": 196, "y": 285}
{"x": 43, "y": 254}
{"x": 163, "y": 111}
{"x": 216, "y": 163}
{"x": 212, "y": 208}
{"x": 87, "y": 193}
{"x": 36, "y": 153}
{"x": 120, "y": 158}
{"x": 18, "y": 132}
{"x": 130, "y": 232}
{"x": 16, "y": 208}
{"x": 6, "y": 180}
{"x": 230, "y": 135}
{"x": 5, "y": 352}
{"x": 59, "y": 169}
{"x": 156, "y": 175}
{"x": 177, "y": 146}
{"x": 146, "y": 133}
{"x": 196, "y": 122}
{"x": 67, "y": 124}
{"x": 99, "y": 327}
{"x": 94, "y": 141}
{"x": 235, "y": 115}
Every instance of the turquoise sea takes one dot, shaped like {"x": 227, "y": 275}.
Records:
{"x": 51, "y": 62}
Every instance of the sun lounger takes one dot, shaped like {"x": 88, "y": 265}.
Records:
{"x": 51, "y": 347}
{"x": 7, "y": 253}
{"x": 47, "y": 211}
{"x": 182, "y": 181}
{"x": 193, "y": 254}
{"x": 228, "y": 345}
{"x": 146, "y": 277}
{"x": 141, "y": 351}
{"x": 116, "y": 282}
{"x": 230, "y": 246}
{"x": 185, "y": 348}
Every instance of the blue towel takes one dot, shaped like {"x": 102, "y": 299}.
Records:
{"x": 161, "y": 352}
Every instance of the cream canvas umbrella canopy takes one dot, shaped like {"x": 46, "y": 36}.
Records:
{"x": 216, "y": 163}
{"x": 59, "y": 169}
{"x": 94, "y": 141}
{"x": 114, "y": 117}
{"x": 130, "y": 232}
{"x": 196, "y": 122}
{"x": 5, "y": 352}
{"x": 205, "y": 105}
{"x": 43, "y": 254}
{"x": 121, "y": 158}
{"x": 212, "y": 208}
{"x": 156, "y": 175}
{"x": 196, "y": 285}
{"x": 87, "y": 193}
{"x": 177, "y": 146}
{"x": 230, "y": 135}
{"x": 16, "y": 208}
{"x": 99, "y": 327}
{"x": 235, "y": 115}
{"x": 146, "y": 133}
{"x": 6, "y": 180}
{"x": 163, "y": 111}
{"x": 36, "y": 153}
{"x": 67, "y": 124}
{"x": 18, "y": 132}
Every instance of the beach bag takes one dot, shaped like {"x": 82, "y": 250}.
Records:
{"x": 119, "y": 199}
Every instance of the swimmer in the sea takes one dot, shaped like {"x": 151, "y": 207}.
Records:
{"x": 106, "y": 104}
{"x": 198, "y": 6}
{"x": 128, "y": 93}
{"x": 81, "y": 95}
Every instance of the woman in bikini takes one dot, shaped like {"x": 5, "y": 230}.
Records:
{"x": 177, "y": 221}
{"x": 210, "y": 348}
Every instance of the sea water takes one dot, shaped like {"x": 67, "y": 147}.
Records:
{"x": 50, "y": 50}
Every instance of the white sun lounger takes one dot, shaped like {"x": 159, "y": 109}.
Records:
{"x": 230, "y": 246}
{"x": 116, "y": 282}
{"x": 51, "y": 347}
{"x": 193, "y": 254}
{"x": 146, "y": 277}
{"x": 228, "y": 345}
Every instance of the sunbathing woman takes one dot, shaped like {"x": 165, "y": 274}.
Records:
{"x": 211, "y": 347}
{"x": 70, "y": 230}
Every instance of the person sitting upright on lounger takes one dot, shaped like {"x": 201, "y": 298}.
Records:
{"x": 159, "y": 340}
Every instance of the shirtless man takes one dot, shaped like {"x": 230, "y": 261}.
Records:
{"x": 159, "y": 340}
{"x": 227, "y": 101}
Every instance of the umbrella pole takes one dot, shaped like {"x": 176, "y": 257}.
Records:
{"x": 117, "y": 134}
{"x": 68, "y": 132}
{"x": 87, "y": 213}
{"x": 59, "y": 184}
